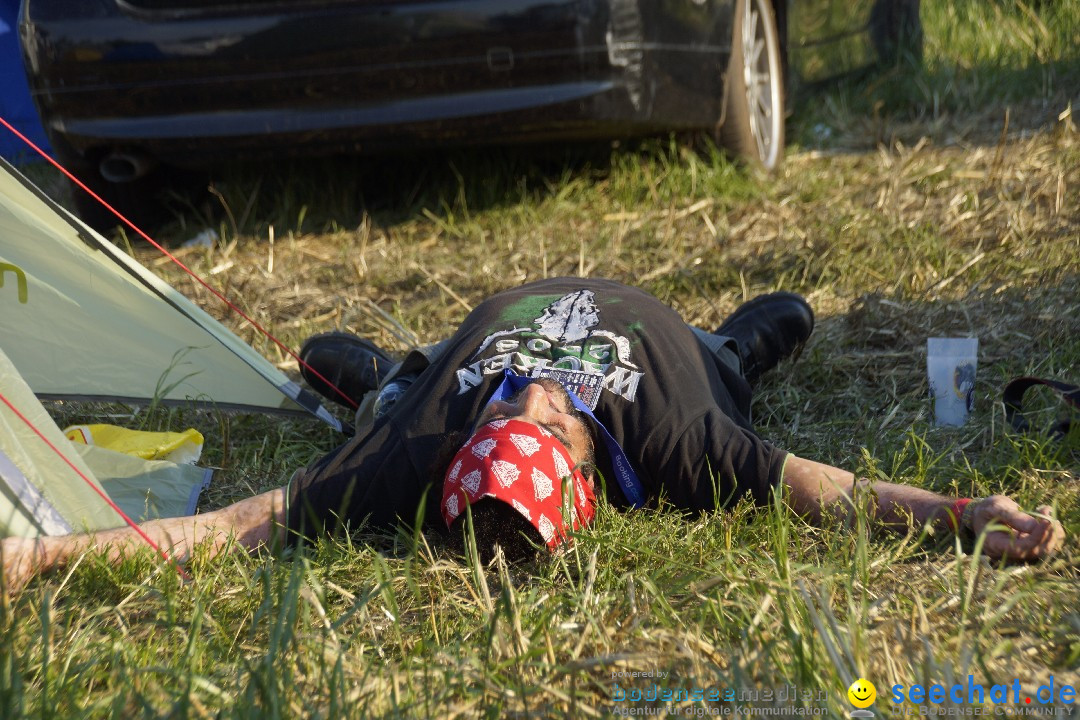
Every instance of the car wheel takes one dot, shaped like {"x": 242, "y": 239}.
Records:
{"x": 753, "y": 124}
{"x": 896, "y": 31}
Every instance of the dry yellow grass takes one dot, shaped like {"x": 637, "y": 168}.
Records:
{"x": 924, "y": 213}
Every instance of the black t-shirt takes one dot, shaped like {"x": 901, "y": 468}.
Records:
{"x": 678, "y": 413}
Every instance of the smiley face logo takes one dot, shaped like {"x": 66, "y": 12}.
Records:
{"x": 862, "y": 693}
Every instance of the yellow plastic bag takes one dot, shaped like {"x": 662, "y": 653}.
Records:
{"x": 177, "y": 447}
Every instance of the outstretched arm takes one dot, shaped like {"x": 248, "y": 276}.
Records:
{"x": 249, "y": 523}
{"x": 817, "y": 488}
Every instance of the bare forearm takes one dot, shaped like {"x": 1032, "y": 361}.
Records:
{"x": 249, "y": 524}
{"x": 816, "y": 488}
{"x": 902, "y": 505}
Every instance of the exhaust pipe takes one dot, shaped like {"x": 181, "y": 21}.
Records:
{"x": 125, "y": 167}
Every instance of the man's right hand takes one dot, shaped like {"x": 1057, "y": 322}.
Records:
{"x": 21, "y": 558}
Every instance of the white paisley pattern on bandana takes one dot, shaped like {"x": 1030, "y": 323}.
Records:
{"x": 526, "y": 445}
{"x": 507, "y": 472}
{"x": 483, "y": 448}
{"x": 471, "y": 482}
{"x": 547, "y": 530}
{"x": 521, "y": 509}
{"x": 541, "y": 484}
{"x": 560, "y": 464}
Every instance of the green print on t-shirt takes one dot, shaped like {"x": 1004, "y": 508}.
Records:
{"x": 554, "y": 331}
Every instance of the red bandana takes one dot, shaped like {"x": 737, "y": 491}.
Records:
{"x": 522, "y": 464}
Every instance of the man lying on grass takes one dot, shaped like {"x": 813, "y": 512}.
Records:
{"x": 486, "y": 428}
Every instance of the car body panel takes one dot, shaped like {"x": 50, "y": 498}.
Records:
{"x": 186, "y": 80}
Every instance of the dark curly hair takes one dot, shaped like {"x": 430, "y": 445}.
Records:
{"x": 496, "y": 524}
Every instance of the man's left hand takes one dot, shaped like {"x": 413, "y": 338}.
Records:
{"x": 1024, "y": 537}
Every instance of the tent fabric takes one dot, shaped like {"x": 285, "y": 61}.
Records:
{"x": 40, "y": 494}
{"x": 23, "y": 509}
{"x": 79, "y": 319}
{"x": 82, "y": 320}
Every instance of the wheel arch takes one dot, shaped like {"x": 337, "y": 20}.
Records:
{"x": 780, "y": 12}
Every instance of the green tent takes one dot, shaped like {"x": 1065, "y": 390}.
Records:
{"x": 51, "y": 486}
{"x": 79, "y": 319}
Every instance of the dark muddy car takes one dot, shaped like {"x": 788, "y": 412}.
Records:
{"x": 125, "y": 87}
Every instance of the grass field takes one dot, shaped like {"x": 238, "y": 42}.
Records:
{"x": 913, "y": 203}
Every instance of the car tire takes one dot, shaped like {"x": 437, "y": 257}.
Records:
{"x": 896, "y": 31}
{"x": 753, "y": 123}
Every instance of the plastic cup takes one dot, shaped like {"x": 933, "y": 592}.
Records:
{"x": 950, "y": 367}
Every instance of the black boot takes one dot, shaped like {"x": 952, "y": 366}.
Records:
{"x": 768, "y": 329}
{"x": 349, "y": 363}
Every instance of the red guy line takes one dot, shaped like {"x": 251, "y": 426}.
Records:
{"x": 352, "y": 403}
{"x": 99, "y": 491}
